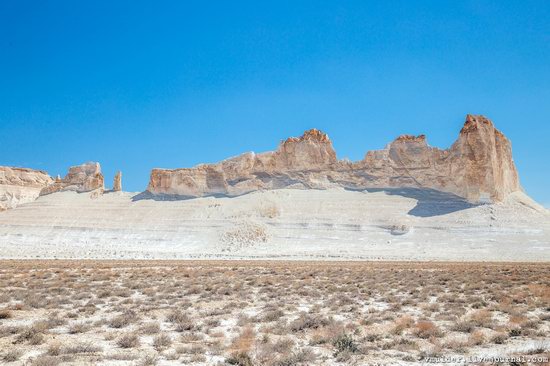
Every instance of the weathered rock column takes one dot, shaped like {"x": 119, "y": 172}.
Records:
{"x": 117, "y": 183}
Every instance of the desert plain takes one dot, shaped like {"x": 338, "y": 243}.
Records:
{"x": 272, "y": 312}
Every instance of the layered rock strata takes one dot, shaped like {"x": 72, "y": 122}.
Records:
{"x": 20, "y": 185}
{"x": 478, "y": 167}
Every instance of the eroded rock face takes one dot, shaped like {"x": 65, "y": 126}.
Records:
{"x": 81, "y": 178}
{"x": 478, "y": 167}
{"x": 20, "y": 185}
{"x": 249, "y": 172}
{"x": 482, "y": 161}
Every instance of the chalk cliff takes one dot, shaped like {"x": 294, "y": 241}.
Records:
{"x": 478, "y": 167}
{"x": 20, "y": 185}
{"x": 81, "y": 178}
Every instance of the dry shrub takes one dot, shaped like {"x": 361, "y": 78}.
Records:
{"x": 123, "y": 320}
{"x": 176, "y": 316}
{"x": 149, "y": 360}
{"x": 326, "y": 334}
{"x": 240, "y": 359}
{"x": 8, "y": 330}
{"x": 83, "y": 347}
{"x": 464, "y": 326}
{"x": 128, "y": 340}
{"x": 477, "y": 338}
{"x": 499, "y": 338}
{"x": 481, "y": 318}
{"x": 122, "y": 356}
{"x": 172, "y": 355}
{"x": 12, "y": 355}
{"x": 456, "y": 344}
{"x": 46, "y": 361}
{"x": 79, "y": 327}
{"x": 5, "y": 314}
{"x": 541, "y": 292}
{"x": 32, "y": 334}
{"x": 54, "y": 349}
{"x": 272, "y": 315}
{"x": 344, "y": 343}
{"x": 150, "y": 328}
{"x": 197, "y": 359}
{"x": 514, "y": 331}
{"x": 35, "y": 301}
{"x": 244, "y": 341}
{"x": 191, "y": 337}
{"x": 426, "y": 329}
{"x": 268, "y": 352}
{"x": 162, "y": 341}
{"x": 431, "y": 351}
{"x": 181, "y": 320}
{"x": 401, "y": 324}
{"x": 289, "y": 358}
{"x": 307, "y": 321}
{"x": 193, "y": 350}
{"x": 517, "y": 319}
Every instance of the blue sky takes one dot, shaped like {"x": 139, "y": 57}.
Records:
{"x": 137, "y": 85}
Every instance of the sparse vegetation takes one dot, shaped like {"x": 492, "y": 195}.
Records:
{"x": 268, "y": 313}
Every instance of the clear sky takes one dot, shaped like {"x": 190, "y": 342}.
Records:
{"x": 137, "y": 85}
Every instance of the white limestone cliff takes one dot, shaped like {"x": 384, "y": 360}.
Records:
{"x": 80, "y": 178}
{"x": 20, "y": 185}
{"x": 478, "y": 167}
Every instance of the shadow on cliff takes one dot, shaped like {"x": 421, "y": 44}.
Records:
{"x": 146, "y": 195}
{"x": 430, "y": 203}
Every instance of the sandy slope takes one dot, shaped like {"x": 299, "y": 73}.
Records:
{"x": 394, "y": 224}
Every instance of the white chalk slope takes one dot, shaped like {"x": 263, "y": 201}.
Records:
{"x": 406, "y": 224}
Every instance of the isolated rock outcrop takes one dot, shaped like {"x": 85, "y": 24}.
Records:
{"x": 117, "y": 182}
{"x": 20, "y": 185}
{"x": 478, "y": 167}
{"x": 482, "y": 163}
{"x": 81, "y": 178}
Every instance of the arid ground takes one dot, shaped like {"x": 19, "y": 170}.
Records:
{"x": 270, "y": 313}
